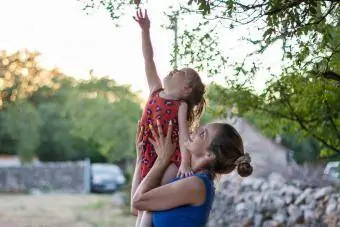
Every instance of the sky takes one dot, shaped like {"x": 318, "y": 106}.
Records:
{"x": 76, "y": 42}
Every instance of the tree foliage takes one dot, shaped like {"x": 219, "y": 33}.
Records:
{"x": 47, "y": 114}
{"x": 309, "y": 109}
{"x": 304, "y": 97}
{"x": 21, "y": 123}
{"x": 308, "y": 31}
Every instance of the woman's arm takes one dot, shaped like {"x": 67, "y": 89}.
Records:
{"x": 183, "y": 192}
{"x": 187, "y": 191}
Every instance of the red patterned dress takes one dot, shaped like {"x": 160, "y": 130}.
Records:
{"x": 164, "y": 110}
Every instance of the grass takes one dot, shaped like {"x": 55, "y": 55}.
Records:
{"x": 62, "y": 210}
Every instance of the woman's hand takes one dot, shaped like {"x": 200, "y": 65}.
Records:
{"x": 143, "y": 21}
{"x": 138, "y": 140}
{"x": 164, "y": 146}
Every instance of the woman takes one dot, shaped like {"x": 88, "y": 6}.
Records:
{"x": 216, "y": 148}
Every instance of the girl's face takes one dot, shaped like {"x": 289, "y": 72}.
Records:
{"x": 178, "y": 81}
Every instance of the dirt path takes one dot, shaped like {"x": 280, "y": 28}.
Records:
{"x": 61, "y": 210}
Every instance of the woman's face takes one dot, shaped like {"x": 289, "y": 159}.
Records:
{"x": 199, "y": 142}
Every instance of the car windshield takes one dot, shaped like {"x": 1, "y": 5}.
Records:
{"x": 334, "y": 169}
{"x": 106, "y": 170}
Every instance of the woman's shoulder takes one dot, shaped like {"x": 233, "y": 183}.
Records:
{"x": 201, "y": 184}
{"x": 198, "y": 180}
{"x": 205, "y": 177}
{"x": 207, "y": 181}
{"x": 209, "y": 187}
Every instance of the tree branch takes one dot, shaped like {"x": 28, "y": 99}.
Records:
{"x": 284, "y": 7}
{"x": 331, "y": 75}
{"x": 304, "y": 127}
{"x": 249, "y": 7}
{"x": 330, "y": 119}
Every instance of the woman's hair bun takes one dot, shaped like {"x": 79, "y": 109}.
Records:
{"x": 244, "y": 169}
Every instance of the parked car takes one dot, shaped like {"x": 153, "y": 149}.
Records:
{"x": 106, "y": 178}
{"x": 332, "y": 170}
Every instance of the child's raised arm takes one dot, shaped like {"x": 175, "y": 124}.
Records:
{"x": 150, "y": 69}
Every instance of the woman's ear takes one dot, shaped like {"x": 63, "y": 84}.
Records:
{"x": 210, "y": 156}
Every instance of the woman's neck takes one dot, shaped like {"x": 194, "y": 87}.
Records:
{"x": 199, "y": 166}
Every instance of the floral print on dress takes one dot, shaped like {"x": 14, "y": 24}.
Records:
{"x": 163, "y": 110}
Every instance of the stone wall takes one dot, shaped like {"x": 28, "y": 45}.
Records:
{"x": 274, "y": 202}
{"x": 264, "y": 152}
{"x": 73, "y": 177}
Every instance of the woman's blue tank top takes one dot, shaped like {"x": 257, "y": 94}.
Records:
{"x": 188, "y": 215}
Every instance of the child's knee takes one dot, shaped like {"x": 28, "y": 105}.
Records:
{"x": 170, "y": 173}
{"x": 134, "y": 211}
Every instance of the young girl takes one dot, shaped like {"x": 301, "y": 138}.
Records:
{"x": 180, "y": 102}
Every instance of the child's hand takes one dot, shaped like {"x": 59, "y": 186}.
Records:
{"x": 137, "y": 2}
{"x": 184, "y": 170}
{"x": 143, "y": 21}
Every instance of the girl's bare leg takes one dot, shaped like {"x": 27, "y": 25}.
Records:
{"x": 170, "y": 173}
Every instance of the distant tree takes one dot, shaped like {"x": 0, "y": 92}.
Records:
{"x": 56, "y": 117}
{"x": 20, "y": 122}
{"x": 308, "y": 109}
